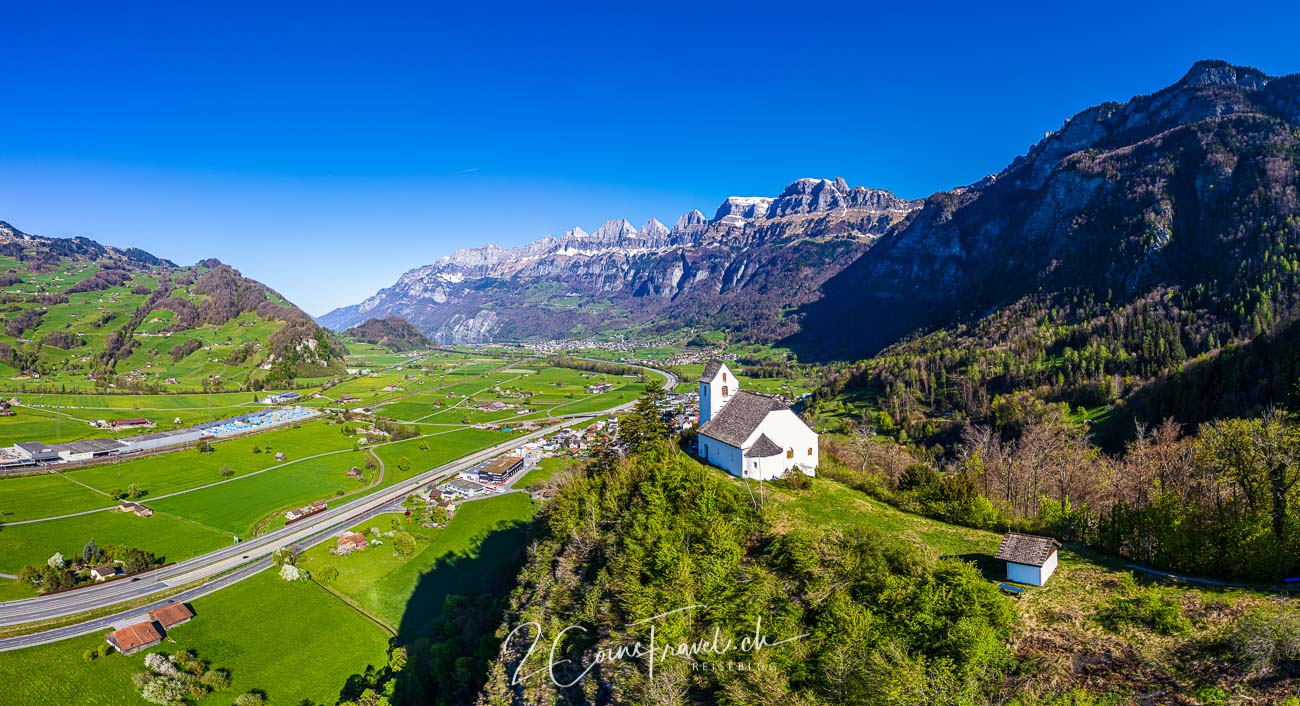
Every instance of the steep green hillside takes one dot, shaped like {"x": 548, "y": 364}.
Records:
{"x": 393, "y": 333}
{"x": 81, "y": 316}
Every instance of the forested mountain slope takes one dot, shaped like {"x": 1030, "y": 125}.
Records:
{"x": 79, "y": 315}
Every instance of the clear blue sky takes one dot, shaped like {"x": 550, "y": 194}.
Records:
{"x": 326, "y": 147}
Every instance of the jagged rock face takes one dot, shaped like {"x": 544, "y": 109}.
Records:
{"x": 699, "y": 270}
{"x": 1124, "y": 198}
{"x": 818, "y": 195}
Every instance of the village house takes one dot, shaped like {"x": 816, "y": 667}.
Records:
{"x": 305, "y": 511}
{"x": 750, "y": 435}
{"x": 1030, "y": 560}
{"x": 133, "y": 638}
{"x": 103, "y": 573}
{"x": 351, "y": 542}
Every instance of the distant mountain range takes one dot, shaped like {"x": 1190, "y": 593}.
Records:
{"x": 754, "y": 257}
{"x": 1166, "y": 190}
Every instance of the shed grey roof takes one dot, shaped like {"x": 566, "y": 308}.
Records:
{"x": 763, "y": 448}
{"x": 91, "y": 446}
{"x": 710, "y": 371}
{"x": 740, "y": 417}
{"x": 1026, "y": 549}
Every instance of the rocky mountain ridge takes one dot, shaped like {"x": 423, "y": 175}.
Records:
{"x": 485, "y": 293}
{"x": 1125, "y": 198}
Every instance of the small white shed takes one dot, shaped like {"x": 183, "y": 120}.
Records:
{"x": 1030, "y": 560}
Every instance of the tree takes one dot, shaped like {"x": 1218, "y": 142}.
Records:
{"x": 227, "y": 471}
{"x": 327, "y": 573}
{"x": 251, "y": 698}
{"x": 403, "y": 544}
{"x": 56, "y": 561}
{"x": 403, "y": 464}
{"x": 136, "y": 560}
{"x": 91, "y": 552}
{"x": 645, "y": 424}
{"x": 133, "y": 491}
{"x": 438, "y": 515}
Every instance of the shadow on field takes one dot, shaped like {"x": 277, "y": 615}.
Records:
{"x": 992, "y": 569}
{"x": 491, "y": 572}
{"x": 450, "y": 622}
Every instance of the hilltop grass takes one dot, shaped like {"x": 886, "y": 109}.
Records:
{"x": 1072, "y": 617}
{"x": 294, "y": 641}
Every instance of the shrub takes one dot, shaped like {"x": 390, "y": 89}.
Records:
{"x": 1148, "y": 609}
{"x": 1268, "y": 642}
{"x": 327, "y": 573}
{"x": 216, "y": 679}
{"x": 88, "y": 655}
{"x": 251, "y": 698}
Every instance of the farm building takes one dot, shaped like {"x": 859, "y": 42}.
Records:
{"x": 133, "y": 638}
{"x": 133, "y": 423}
{"x": 1030, "y": 560}
{"x": 137, "y": 508}
{"x": 305, "y": 511}
{"x": 281, "y": 398}
{"x": 171, "y": 615}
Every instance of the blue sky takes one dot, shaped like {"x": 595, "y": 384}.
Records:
{"x": 326, "y": 147}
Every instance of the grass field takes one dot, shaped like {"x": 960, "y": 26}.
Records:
{"x": 465, "y": 558}
{"x": 30, "y": 497}
{"x": 171, "y": 538}
{"x": 545, "y": 469}
{"x": 293, "y": 641}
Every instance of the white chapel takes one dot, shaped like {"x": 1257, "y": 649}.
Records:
{"x": 750, "y": 435}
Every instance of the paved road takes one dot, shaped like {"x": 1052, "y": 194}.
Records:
{"x": 234, "y": 558}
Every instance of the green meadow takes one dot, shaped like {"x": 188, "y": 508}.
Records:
{"x": 293, "y": 641}
{"x": 48, "y": 495}
{"x": 457, "y": 559}
{"x": 171, "y": 538}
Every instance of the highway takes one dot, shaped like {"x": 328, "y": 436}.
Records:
{"x": 238, "y": 561}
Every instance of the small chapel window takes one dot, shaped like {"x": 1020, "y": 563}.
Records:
{"x": 809, "y": 450}
{"x": 724, "y": 390}
{"x": 789, "y": 453}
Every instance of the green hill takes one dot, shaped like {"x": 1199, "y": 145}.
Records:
{"x": 393, "y": 333}
{"x": 80, "y": 316}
